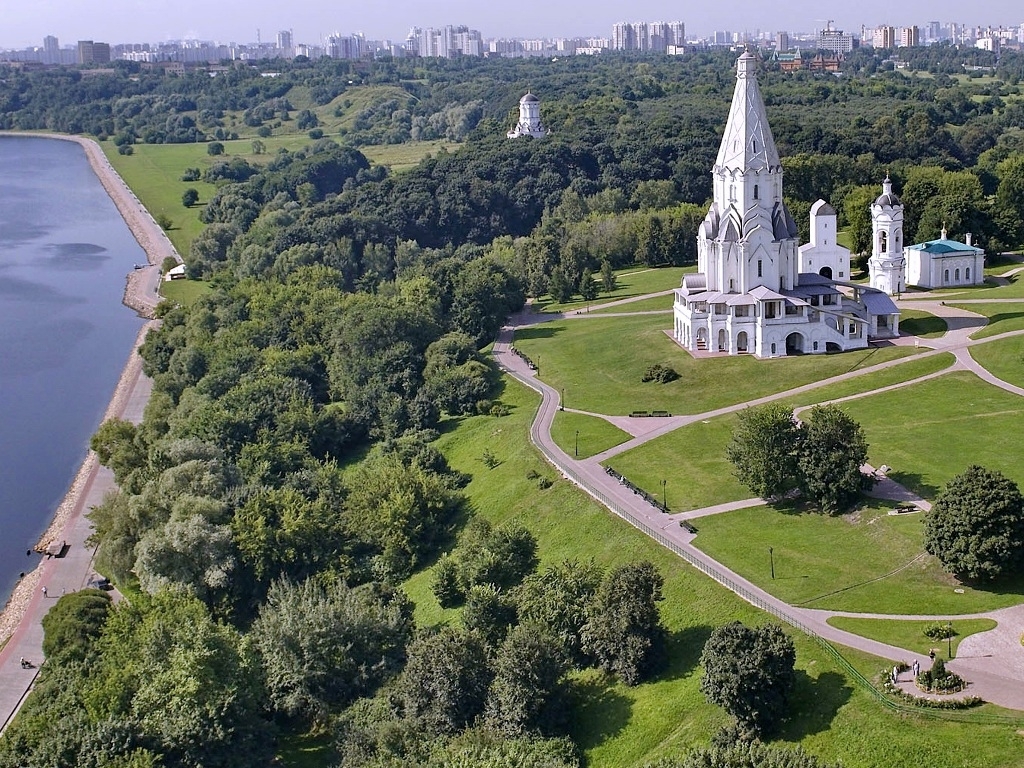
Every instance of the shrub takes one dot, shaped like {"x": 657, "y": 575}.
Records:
{"x": 939, "y": 631}
{"x": 662, "y": 374}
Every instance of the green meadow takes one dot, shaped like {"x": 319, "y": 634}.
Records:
{"x": 599, "y": 362}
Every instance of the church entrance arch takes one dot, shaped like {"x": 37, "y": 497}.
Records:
{"x": 795, "y": 344}
{"x": 741, "y": 341}
{"x": 702, "y": 338}
{"x": 723, "y": 340}
{"x": 826, "y": 272}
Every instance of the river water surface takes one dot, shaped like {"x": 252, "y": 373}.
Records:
{"x": 64, "y": 333}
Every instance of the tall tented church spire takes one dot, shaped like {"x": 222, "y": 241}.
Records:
{"x": 748, "y": 143}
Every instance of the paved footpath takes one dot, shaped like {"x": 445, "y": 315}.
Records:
{"x": 990, "y": 661}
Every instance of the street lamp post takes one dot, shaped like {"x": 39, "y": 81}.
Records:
{"x": 771, "y": 559}
{"x": 561, "y": 403}
{"x": 664, "y": 496}
{"x": 576, "y": 452}
{"x": 949, "y": 640}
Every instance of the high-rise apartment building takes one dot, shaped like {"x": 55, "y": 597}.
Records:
{"x": 909, "y": 37}
{"x": 656, "y": 36}
{"x": 90, "y": 52}
{"x": 884, "y": 37}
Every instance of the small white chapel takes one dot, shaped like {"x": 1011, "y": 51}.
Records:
{"x": 529, "y": 119}
{"x": 756, "y": 290}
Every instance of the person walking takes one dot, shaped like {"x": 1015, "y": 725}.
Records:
{"x": 44, "y": 591}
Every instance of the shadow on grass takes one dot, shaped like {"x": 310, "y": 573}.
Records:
{"x": 537, "y": 332}
{"x": 816, "y": 701}
{"x": 1003, "y": 317}
{"x": 922, "y": 326}
{"x": 683, "y": 649}
{"x": 599, "y": 711}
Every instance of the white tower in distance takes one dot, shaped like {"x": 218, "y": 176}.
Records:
{"x": 529, "y": 119}
{"x": 887, "y": 265}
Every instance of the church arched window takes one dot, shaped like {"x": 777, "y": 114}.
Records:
{"x": 945, "y": 276}
{"x": 956, "y": 275}
{"x": 967, "y": 274}
{"x": 883, "y": 242}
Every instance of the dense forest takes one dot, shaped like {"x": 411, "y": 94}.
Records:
{"x": 284, "y": 481}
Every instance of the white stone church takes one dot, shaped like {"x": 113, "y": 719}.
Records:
{"x": 756, "y": 290}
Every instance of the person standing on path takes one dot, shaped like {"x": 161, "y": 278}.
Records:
{"x": 44, "y": 591}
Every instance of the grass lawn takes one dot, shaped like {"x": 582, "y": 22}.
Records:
{"x": 943, "y": 426}
{"x": 906, "y": 371}
{"x": 153, "y": 172}
{"x": 910, "y": 634}
{"x": 599, "y": 363}
{"x": 923, "y": 324}
{"x": 1003, "y": 358}
{"x": 867, "y": 561}
{"x": 402, "y": 157}
{"x": 630, "y": 282}
{"x": 184, "y": 292}
{"x": 692, "y": 461}
{"x": 621, "y": 726}
{"x": 1002, "y": 317}
{"x": 588, "y": 434}
{"x": 644, "y": 305}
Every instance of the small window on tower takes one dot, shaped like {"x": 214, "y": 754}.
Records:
{"x": 755, "y": 191}
{"x": 755, "y": 150}
{"x": 759, "y": 268}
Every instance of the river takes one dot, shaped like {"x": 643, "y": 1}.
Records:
{"x": 64, "y": 333}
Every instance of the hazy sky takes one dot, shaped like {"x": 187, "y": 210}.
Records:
{"x": 26, "y": 22}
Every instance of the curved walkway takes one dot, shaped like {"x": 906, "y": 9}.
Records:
{"x": 992, "y": 661}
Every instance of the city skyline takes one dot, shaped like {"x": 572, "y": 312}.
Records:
{"x": 122, "y": 21}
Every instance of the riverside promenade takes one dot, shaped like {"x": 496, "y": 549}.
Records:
{"x": 21, "y": 621}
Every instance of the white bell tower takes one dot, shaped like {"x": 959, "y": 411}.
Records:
{"x": 887, "y": 265}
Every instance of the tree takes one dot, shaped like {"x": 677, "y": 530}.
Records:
{"x": 489, "y": 612}
{"x": 976, "y": 525}
{"x": 559, "y": 286}
{"x": 607, "y": 276}
{"x": 750, "y": 673}
{"x": 324, "y": 644}
{"x": 190, "y": 197}
{"x": 857, "y": 210}
{"x": 526, "y": 693}
{"x": 764, "y": 449}
{"x": 832, "y": 450}
{"x": 71, "y": 627}
{"x": 623, "y": 632}
{"x": 258, "y": 146}
{"x": 557, "y": 599}
{"x": 215, "y": 148}
{"x": 444, "y": 684}
{"x": 178, "y": 682}
{"x": 587, "y": 287}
